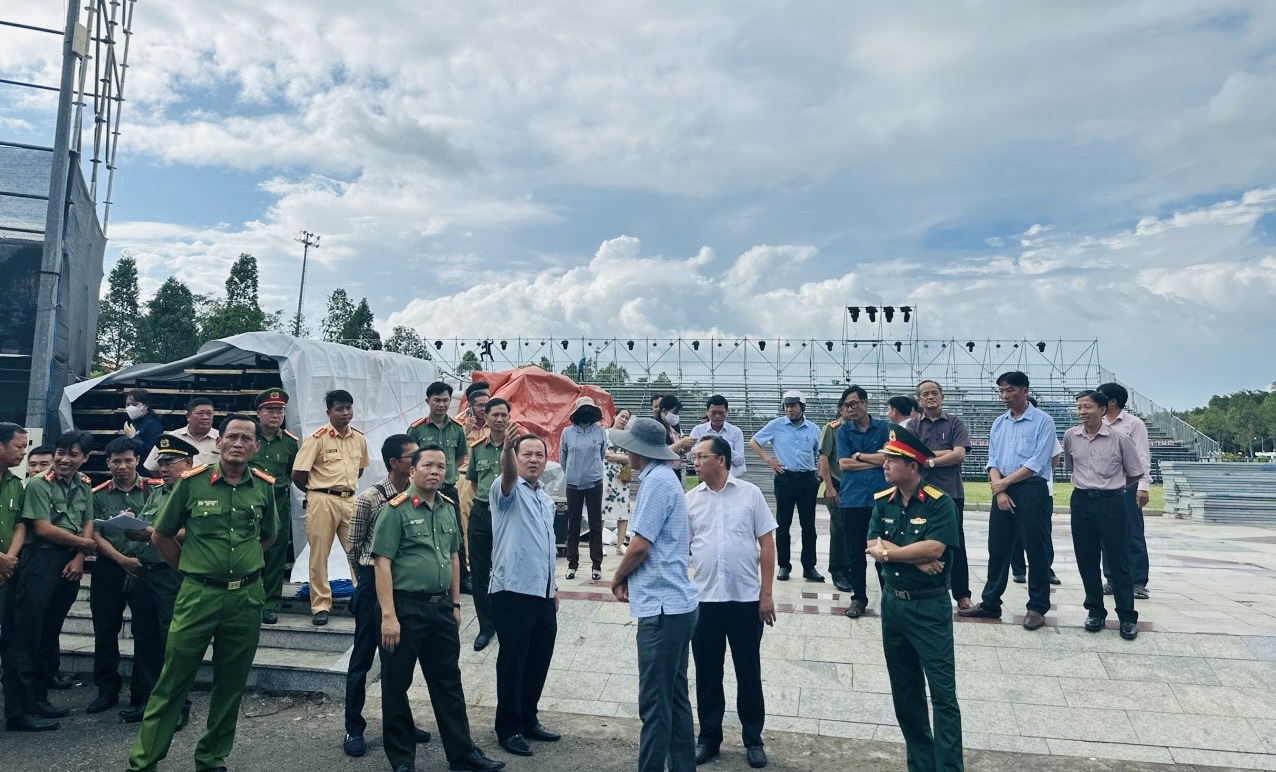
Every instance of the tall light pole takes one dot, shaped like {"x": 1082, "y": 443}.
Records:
{"x": 307, "y": 240}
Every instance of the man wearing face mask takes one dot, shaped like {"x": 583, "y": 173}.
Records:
{"x": 142, "y": 426}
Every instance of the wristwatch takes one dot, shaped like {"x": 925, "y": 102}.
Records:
{"x": 886, "y": 556}
{"x": 930, "y": 462}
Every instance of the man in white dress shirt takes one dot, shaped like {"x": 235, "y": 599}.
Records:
{"x": 733, "y": 565}
{"x": 719, "y": 426}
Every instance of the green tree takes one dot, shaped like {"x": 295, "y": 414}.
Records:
{"x": 240, "y": 310}
{"x": 168, "y": 332}
{"x": 340, "y": 309}
{"x": 406, "y": 341}
{"x": 545, "y": 364}
{"x": 612, "y": 375}
{"x": 1241, "y": 422}
{"x": 119, "y": 316}
{"x": 297, "y": 326}
{"x": 573, "y": 371}
{"x": 358, "y": 331}
{"x": 469, "y": 363}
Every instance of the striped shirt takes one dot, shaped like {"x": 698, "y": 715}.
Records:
{"x": 367, "y": 506}
{"x": 661, "y": 584}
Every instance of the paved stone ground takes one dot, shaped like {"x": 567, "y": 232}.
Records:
{"x": 1196, "y": 687}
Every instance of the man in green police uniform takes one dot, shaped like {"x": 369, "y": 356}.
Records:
{"x": 485, "y": 467}
{"x": 155, "y": 588}
{"x": 13, "y": 446}
{"x": 116, "y": 567}
{"x": 418, "y": 575}
{"x": 228, "y": 513}
{"x": 277, "y": 450}
{"x": 58, "y": 506}
{"x": 437, "y": 429}
{"x": 911, "y": 527}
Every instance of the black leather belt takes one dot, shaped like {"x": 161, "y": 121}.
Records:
{"x": 222, "y": 584}
{"x": 333, "y": 492}
{"x": 797, "y": 473}
{"x": 1098, "y": 494}
{"x": 914, "y": 594}
{"x": 155, "y": 566}
{"x": 421, "y": 596}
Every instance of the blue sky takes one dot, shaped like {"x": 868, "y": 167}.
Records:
{"x": 1090, "y": 170}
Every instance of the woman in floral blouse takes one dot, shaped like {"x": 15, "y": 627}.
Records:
{"x": 616, "y": 486}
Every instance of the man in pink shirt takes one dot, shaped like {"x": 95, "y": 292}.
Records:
{"x": 1136, "y": 496}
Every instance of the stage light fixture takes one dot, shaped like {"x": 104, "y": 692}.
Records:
{"x": 872, "y": 313}
{"x": 828, "y": 344}
{"x": 1041, "y": 346}
{"x": 908, "y": 313}
{"x": 787, "y": 344}
{"x": 970, "y": 346}
{"x": 854, "y": 311}
{"x": 629, "y": 344}
{"x": 563, "y": 343}
{"x": 889, "y": 313}
{"x": 761, "y": 345}
{"x": 504, "y": 344}
{"x": 899, "y": 346}
{"x": 438, "y": 345}
{"x": 695, "y": 344}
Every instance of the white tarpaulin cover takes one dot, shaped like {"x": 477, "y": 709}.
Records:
{"x": 388, "y": 389}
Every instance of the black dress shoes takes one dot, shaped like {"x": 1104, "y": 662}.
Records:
{"x": 47, "y": 709}
{"x": 482, "y": 640}
{"x": 811, "y": 575}
{"x": 1020, "y": 579}
{"x": 856, "y": 609}
{"x": 516, "y": 744}
{"x": 319, "y": 619}
{"x": 542, "y": 733}
{"x": 783, "y": 574}
{"x": 184, "y": 717}
{"x": 132, "y": 714}
{"x": 1054, "y": 579}
{"x": 979, "y": 611}
{"x": 467, "y": 586}
{"x": 1094, "y": 624}
{"x": 420, "y": 735}
{"x": 269, "y": 617}
{"x": 1129, "y": 631}
{"x": 705, "y": 753}
{"x": 756, "y": 756}
{"x": 475, "y": 761}
{"x": 354, "y": 745}
{"x": 61, "y": 682}
{"x": 30, "y": 723}
{"x": 103, "y": 701}
{"x": 842, "y": 582}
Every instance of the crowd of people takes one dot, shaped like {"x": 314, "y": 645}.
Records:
{"x": 198, "y": 552}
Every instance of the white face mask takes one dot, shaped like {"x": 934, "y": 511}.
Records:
{"x": 672, "y": 418}
{"x": 134, "y": 412}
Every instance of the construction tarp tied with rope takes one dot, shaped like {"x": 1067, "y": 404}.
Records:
{"x": 541, "y": 402}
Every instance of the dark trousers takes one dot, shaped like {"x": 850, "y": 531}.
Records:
{"x": 527, "y": 626}
{"x": 276, "y": 556}
{"x": 367, "y": 634}
{"x": 960, "y": 576}
{"x": 154, "y": 593}
{"x": 917, "y": 639}
{"x": 38, "y": 605}
{"x": 449, "y": 490}
{"x": 838, "y": 549}
{"x": 1099, "y": 524}
{"x": 110, "y": 591}
{"x": 1138, "y": 542}
{"x": 736, "y": 624}
{"x": 481, "y": 562}
{"x": 796, "y": 490}
{"x": 855, "y": 521}
{"x": 590, "y": 499}
{"x": 1030, "y": 521}
{"x": 664, "y": 704}
{"x": 1018, "y": 565}
{"x": 428, "y": 635}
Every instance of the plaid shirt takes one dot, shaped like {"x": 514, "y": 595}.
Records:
{"x": 367, "y": 506}
{"x": 661, "y": 584}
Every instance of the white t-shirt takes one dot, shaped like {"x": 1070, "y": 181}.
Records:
{"x": 725, "y": 528}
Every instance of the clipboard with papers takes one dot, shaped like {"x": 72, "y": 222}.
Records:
{"x": 124, "y": 521}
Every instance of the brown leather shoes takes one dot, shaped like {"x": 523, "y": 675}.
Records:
{"x": 856, "y": 609}
{"x": 1033, "y": 620}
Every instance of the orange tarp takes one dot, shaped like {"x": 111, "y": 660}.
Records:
{"x": 542, "y": 402}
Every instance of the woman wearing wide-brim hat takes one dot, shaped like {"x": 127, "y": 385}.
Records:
{"x": 582, "y": 450}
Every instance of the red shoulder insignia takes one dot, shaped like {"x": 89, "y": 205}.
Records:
{"x": 290, "y": 434}
{"x": 103, "y": 486}
{"x": 50, "y": 475}
{"x": 194, "y": 471}
{"x": 154, "y": 482}
{"x": 318, "y": 433}
{"x": 84, "y": 478}
{"x": 268, "y": 478}
{"x": 397, "y": 500}
{"x": 418, "y": 422}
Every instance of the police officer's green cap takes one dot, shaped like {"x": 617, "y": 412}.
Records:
{"x": 902, "y": 442}
{"x": 172, "y": 447}
{"x": 271, "y": 398}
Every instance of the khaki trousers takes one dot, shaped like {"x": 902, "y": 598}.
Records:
{"x": 465, "y": 501}
{"x": 326, "y": 517}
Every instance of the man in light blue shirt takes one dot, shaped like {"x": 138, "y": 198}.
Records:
{"x": 719, "y": 426}
{"x": 1020, "y": 446}
{"x": 652, "y": 578}
{"x": 795, "y": 443}
{"x": 522, "y": 592}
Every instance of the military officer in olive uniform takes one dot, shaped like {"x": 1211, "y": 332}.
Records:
{"x": 58, "y": 508}
{"x": 277, "y": 450}
{"x": 13, "y": 446}
{"x": 228, "y": 513}
{"x": 418, "y": 574}
{"x": 911, "y": 528}
{"x": 155, "y": 588}
{"x": 116, "y": 567}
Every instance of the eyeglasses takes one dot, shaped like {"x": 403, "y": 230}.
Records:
{"x": 703, "y": 456}
{"x": 852, "y": 403}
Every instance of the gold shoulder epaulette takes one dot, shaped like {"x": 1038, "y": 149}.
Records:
{"x": 267, "y": 477}
{"x": 290, "y": 434}
{"x": 932, "y": 491}
{"x": 445, "y": 498}
{"x": 103, "y": 486}
{"x": 49, "y": 475}
{"x": 418, "y": 422}
{"x": 397, "y": 500}
{"x": 318, "y": 433}
{"x": 194, "y": 471}
{"x": 883, "y": 494}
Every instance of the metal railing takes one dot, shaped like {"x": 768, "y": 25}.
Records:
{"x": 1160, "y": 418}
